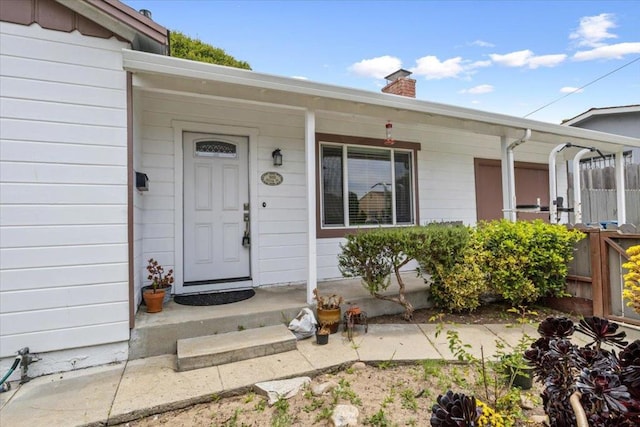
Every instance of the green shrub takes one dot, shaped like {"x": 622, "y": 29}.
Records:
{"x": 526, "y": 260}
{"x": 453, "y": 261}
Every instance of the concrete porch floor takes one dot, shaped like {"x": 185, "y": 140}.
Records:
{"x": 157, "y": 334}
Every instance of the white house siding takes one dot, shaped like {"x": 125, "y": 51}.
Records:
{"x": 280, "y": 247}
{"x": 63, "y": 198}
{"x": 445, "y": 171}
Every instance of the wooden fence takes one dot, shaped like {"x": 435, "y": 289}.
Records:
{"x": 596, "y": 273}
{"x": 601, "y": 205}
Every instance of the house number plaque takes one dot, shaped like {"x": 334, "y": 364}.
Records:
{"x": 271, "y": 178}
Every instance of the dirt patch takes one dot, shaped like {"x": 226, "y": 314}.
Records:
{"x": 385, "y": 395}
{"x": 497, "y": 312}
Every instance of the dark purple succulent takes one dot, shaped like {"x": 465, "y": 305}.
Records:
{"x": 609, "y": 384}
{"x": 556, "y": 327}
{"x": 602, "y": 331}
{"x": 630, "y": 364}
{"x": 602, "y": 392}
{"x": 454, "y": 410}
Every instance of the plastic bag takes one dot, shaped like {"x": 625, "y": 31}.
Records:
{"x": 304, "y": 325}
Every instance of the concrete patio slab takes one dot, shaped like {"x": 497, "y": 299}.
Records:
{"x": 152, "y": 385}
{"x": 395, "y": 342}
{"x": 68, "y": 399}
{"x": 276, "y": 366}
{"x": 338, "y": 351}
{"x": 479, "y": 339}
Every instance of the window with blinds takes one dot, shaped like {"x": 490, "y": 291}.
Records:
{"x": 366, "y": 186}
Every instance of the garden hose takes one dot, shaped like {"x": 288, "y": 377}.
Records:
{"x": 16, "y": 362}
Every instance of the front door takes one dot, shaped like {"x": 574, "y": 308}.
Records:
{"x": 216, "y": 212}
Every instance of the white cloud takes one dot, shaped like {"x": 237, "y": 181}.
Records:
{"x": 478, "y": 90}
{"x": 513, "y": 59}
{"x": 432, "y": 68}
{"x": 475, "y": 102}
{"x": 569, "y": 89}
{"x": 546, "y": 60}
{"x": 613, "y": 51}
{"x": 478, "y": 64}
{"x": 481, "y": 43}
{"x": 526, "y": 58}
{"x": 594, "y": 29}
{"x": 378, "y": 68}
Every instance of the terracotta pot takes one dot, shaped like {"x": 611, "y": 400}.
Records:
{"x": 153, "y": 300}
{"x": 167, "y": 293}
{"x": 330, "y": 317}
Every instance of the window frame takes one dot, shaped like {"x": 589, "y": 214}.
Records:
{"x": 342, "y": 140}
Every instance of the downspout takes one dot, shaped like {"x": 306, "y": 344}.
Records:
{"x": 511, "y": 190}
{"x": 577, "y": 194}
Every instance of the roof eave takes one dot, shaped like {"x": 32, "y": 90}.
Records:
{"x": 154, "y": 64}
{"x": 143, "y": 33}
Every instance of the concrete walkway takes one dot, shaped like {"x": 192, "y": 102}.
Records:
{"x": 122, "y": 392}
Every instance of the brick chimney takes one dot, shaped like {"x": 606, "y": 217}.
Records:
{"x": 399, "y": 83}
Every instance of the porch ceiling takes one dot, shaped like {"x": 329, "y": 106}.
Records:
{"x": 171, "y": 75}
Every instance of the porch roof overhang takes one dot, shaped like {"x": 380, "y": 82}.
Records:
{"x": 173, "y": 75}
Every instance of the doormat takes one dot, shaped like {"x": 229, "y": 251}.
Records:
{"x": 217, "y": 298}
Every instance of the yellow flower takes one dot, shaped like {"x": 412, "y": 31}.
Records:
{"x": 631, "y": 290}
{"x": 489, "y": 417}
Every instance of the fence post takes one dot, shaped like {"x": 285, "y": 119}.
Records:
{"x": 597, "y": 292}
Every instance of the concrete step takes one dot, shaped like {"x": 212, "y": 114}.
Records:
{"x": 213, "y": 350}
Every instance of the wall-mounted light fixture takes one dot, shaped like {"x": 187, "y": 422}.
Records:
{"x": 389, "y": 140}
{"x": 277, "y": 157}
{"x": 142, "y": 181}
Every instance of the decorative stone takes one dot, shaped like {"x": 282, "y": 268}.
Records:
{"x": 539, "y": 419}
{"x": 345, "y": 415}
{"x": 320, "y": 389}
{"x": 526, "y": 403}
{"x": 282, "y": 389}
{"x": 358, "y": 366}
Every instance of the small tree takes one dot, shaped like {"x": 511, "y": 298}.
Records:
{"x": 183, "y": 46}
{"x": 373, "y": 255}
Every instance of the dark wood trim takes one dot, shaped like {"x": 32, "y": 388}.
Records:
{"x": 497, "y": 162}
{"x": 130, "y": 202}
{"x": 325, "y": 233}
{"x": 361, "y": 140}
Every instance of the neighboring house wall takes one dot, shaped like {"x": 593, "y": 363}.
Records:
{"x": 63, "y": 165}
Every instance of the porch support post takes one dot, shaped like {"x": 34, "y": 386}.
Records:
{"x": 505, "y": 165}
{"x": 577, "y": 193}
{"x": 620, "y": 192}
{"x": 310, "y": 162}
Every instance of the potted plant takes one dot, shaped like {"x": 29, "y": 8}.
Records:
{"x": 512, "y": 363}
{"x": 328, "y": 310}
{"x": 154, "y": 294}
{"x": 322, "y": 335}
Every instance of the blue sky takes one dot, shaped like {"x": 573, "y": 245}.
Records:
{"x": 499, "y": 56}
